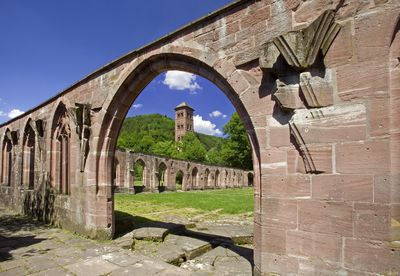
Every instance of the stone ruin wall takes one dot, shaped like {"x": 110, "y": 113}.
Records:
{"x": 317, "y": 85}
{"x": 196, "y": 176}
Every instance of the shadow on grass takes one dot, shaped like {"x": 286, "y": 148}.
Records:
{"x": 9, "y": 227}
{"x": 125, "y": 223}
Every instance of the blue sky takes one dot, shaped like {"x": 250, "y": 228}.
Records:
{"x": 47, "y": 45}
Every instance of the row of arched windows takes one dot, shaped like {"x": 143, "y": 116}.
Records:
{"x": 30, "y": 156}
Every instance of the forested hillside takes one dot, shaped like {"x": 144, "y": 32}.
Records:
{"x": 154, "y": 133}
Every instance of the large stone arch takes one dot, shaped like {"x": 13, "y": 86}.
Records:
{"x": 120, "y": 102}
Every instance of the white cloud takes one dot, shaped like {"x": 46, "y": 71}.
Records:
{"x": 136, "y": 106}
{"x": 177, "y": 80}
{"x": 14, "y": 113}
{"x": 216, "y": 114}
{"x": 205, "y": 127}
{"x": 224, "y": 116}
{"x": 2, "y": 113}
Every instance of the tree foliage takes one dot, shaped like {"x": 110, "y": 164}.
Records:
{"x": 236, "y": 151}
{"x": 154, "y": 134}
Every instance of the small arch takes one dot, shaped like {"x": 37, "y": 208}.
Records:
{"x": 60, "y": 168}
{"x": 6, "y": 159}
{"x": 206, "y": 177}
{"x": 179, "y": 180}
{"x": 161, "y": 172}
{"x": 28, "y": 157}
{"x": 250, "y": 179}
{"x": 217, "y": 179}
{"x": 194, "y": 175}
{"x": 139, "y": 171}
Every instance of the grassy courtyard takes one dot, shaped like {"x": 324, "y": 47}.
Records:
{"x": 211, "y": 204}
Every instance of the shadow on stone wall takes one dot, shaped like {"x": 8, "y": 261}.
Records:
{"x": 39, "y": 205}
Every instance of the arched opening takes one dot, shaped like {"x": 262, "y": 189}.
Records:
{"x": 117, "y": 107}
{"x": 179, "y": 180}
{"x": 161, "y": 176}
{"x": 216, "y": 179}
{"x": 194, "y": 179}
{"x": 28, "y": 157}
{"x": 6, "y": 160}
{"x": 61, "y": 151}
{"x": 206, "y": 177}
{"x": 250, "y": 179}
{"x": 139, "y": 168}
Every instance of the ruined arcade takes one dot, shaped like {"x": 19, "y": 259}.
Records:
{"x": 317, "y": 86}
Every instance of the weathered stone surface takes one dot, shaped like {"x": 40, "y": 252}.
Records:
{"x": 363, "y": 157}
{"x": 371, "y": 256}
{"x": 333, "y": 218}
{"x": 317, "y": 91}
{"x": 292, "y": 186}
{"x": 311, "y": 245}
{"x": 219, "y": 261}
{"x": 331, "y": 124}
{"x": 280, "y": 213}
{"x": 288, "y": 96}
{"x": 372, "y": 221}
{"x": 150, "y": 234}
{"x": 343, "y": 187}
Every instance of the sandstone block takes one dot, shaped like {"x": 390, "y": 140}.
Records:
{"x": 256, "y": 16}
{"x": 331, "y": 124}
{"x": 363, "y": 157}
{"x": 279, "y": 264}
{"x": 279, "y": 213}
{"x": 371, "y": 256}
{"x": 273, "y": 161}
{"x": 361, "y": 80}
{"x": 343, "y": 187}
{"x": 273, "y": 240}
{"x": 334, "y": 218}
{"x": 382, "y": 189}
{"x": 315, "y": 159}
{"x": 378, "y": 117}
{"x": 289, "y": 186}
{"x": 307, "y": 244}
{"x": 371, "y": 221}
{"x": 341, "y": 50}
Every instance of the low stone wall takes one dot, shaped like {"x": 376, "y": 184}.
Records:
{"x": 160, "y": 173}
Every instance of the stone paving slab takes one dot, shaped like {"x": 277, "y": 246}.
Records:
{"x": 239, "y": 234}
{"x": 150, "y": 234}
{"x": 30, "y": 248}
{"x": 219, "y": 261}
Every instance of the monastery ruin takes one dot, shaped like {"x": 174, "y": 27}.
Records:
{"x": 317, "y": 86}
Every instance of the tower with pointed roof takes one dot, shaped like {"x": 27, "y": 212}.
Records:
{"x": 183, "y": 120}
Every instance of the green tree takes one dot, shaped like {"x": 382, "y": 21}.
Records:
{"x": 236, "y": 151}
{"x": 191, "y": 148}
{"x": 166, "y": 148}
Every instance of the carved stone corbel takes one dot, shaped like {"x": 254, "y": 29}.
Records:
{"x": 299, "y": 55}
{"x": 296, "y": 61}
{"x": 301, "y": 48}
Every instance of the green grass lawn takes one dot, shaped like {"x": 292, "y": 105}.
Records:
{"x": 187, "y": 204}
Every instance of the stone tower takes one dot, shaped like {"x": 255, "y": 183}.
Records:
{"x": 183, "y": 120}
